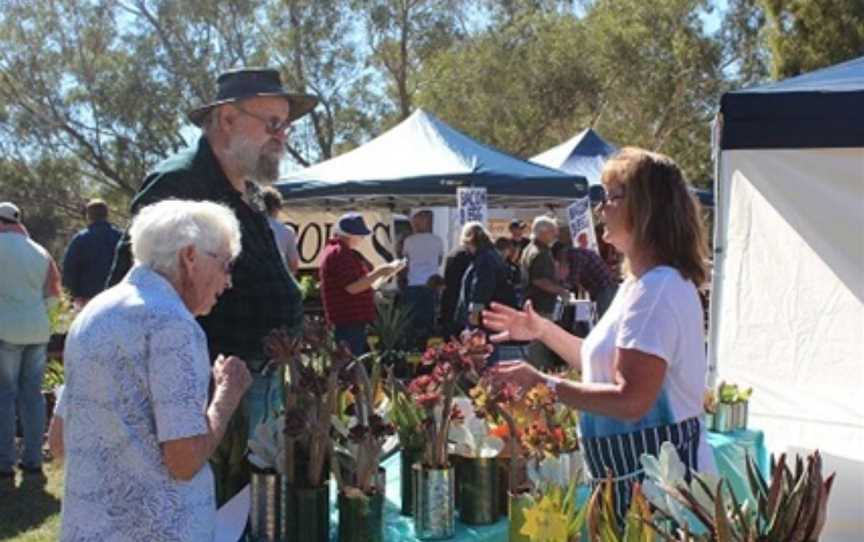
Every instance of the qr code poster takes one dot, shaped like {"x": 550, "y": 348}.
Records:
{"x": 472, "y": 205}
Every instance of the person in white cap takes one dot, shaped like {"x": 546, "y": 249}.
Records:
{"x": 346, "y": 282}
{"x": 31, "y": 283}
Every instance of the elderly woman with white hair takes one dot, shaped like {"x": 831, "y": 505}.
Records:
{"x": 138, "y": 430}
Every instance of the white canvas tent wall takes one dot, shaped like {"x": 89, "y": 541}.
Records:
{"x": 788, "y": 292}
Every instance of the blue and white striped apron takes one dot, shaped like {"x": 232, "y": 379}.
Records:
{"x": 619, "y": 455}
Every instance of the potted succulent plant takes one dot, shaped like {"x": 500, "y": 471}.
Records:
{"x": 407, "y": 416}
{"x": 451, "y": 362}
{"x": 266, "y": 457}
{"x": 792, "y": 506}
{"x": 477, "y": 469}
{"x": 359, "y": 447}
{"x": 538, "y": 430}
{"x": 314, "y": 363}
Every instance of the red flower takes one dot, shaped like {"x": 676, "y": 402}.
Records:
{"x": 508, "y": 393}
{"x": 558, "y": 433}
{"x": 456, "y": 414}
{"x": 422, "y": 384}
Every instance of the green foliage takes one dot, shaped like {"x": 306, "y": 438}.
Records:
{"x": 602, "y": 523}
{"x": 403, "y": 35}
{"x": 780, "y": 39}
{"x": 309, "y": 287}
{"x": 804, "y": 36}
{"x": 641, "y": 73}
{"x": 61, "y": 314}
{"x": 54, "y": 376}
{"x": 391, "y": 326}
{"x": 406, "y": 415}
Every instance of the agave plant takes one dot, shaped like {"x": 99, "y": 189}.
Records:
{"x": 602, "y": 523}
{"x": 791, "y": 508}
{"x": 361, "y": 438}
{"x": 391, "y": 326}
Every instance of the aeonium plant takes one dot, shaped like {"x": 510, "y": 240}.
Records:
{"x": 361, "y": 439}
{"x": 462, "y": 358}
{"x": 314, "y": 363}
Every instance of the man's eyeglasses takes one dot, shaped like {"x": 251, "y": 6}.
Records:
{"x": 273, "y": 125}
{"x": 227, "y": 265}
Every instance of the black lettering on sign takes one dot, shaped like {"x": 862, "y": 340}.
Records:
{"x": 316, "y": 242}
{"x": 382, "y": 231}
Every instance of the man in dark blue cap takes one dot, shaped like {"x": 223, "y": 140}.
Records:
{"x": 346, "y": 282}
{"x": 242, "y": 143}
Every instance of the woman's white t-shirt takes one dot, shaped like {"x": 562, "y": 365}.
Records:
{"x": 660, "y": 314}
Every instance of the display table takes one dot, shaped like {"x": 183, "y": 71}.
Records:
{"x": 730, "y": 454}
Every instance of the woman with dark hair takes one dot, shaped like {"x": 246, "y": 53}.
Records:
{"x": 485, "y": 280}
{"x": 643, "y": 365}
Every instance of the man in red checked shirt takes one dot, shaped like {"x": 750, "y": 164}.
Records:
{"x": 346, "y": 282}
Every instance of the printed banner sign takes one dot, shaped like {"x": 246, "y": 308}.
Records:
{"x": 314, "y": 228}
{"x": 472, "y": 205}
{"x": 582, "y": 224}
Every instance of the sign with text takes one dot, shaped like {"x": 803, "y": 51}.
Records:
{"x": 582, "y": 224}
{"x": 472, "y": 205}
{"x": 314, "y": 228}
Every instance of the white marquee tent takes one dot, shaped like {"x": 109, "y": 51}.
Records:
{"x": 788, "y": 291}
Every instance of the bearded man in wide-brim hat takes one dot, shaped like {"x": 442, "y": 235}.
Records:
{"x": 242, "y": 143}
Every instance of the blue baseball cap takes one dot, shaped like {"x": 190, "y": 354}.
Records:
{"x": 352, "y": 224}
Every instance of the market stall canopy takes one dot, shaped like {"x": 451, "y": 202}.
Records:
{"x": 787, "y": 300}
{"x": 820, "y": 109}
{"x": 585, "y": 154}
{"x": 421, "y": 162}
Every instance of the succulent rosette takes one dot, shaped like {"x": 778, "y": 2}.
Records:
{"x": 451, "y": 362}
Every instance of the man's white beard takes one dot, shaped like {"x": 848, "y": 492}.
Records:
{"x": 255, "y": 163}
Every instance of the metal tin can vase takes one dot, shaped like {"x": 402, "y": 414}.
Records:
{"x": 265, "y": 514}
{"x": 709, "y": 421}
{"x": 477, "y": 486}
{"x": 306, "y": 513}
{"x": 739, "y": 415}
{"x": 724, "y": 418}
{"x": 406, "y": 478}
{"x": 516, "y": 513}
{"x": 361, "y": 519}
{"x": 434, "y": 503}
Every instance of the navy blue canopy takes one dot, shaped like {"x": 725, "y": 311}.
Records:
{"x": 422, "y": 161}
{"x": 585, "y": 154}
{"x": 820, "y": 109}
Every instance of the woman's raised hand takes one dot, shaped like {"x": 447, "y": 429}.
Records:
{"x": 512, "y": 324}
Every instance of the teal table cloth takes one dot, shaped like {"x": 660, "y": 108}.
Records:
{"x": 730, "y": 454}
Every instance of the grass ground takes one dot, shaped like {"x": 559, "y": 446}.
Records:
{"x": 31, "y": 511}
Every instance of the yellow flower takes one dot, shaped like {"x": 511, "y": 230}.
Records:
{"x": 544, "y": 522}
{"x": 432, "y": 342}
{"x": 413, "y": 359}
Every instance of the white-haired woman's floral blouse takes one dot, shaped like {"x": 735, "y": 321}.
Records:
{"x": 137, "y": 374}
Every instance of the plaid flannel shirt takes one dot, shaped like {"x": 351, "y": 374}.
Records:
{"x": 263, "y": 296}
{"x": 588, "y": 270}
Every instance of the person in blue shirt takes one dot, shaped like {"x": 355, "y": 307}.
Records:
{"x": 90, "y": 253}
